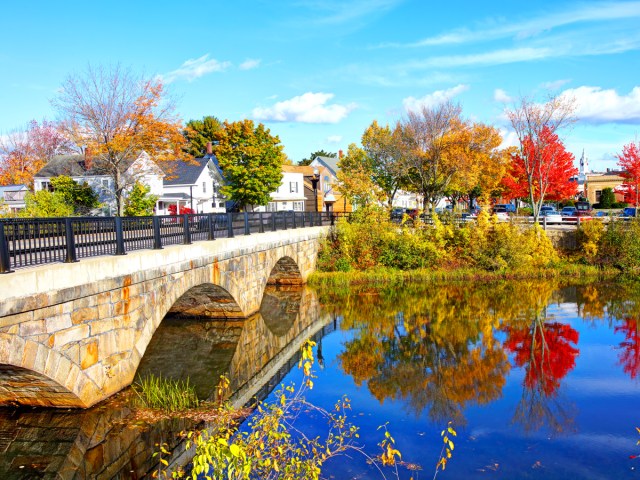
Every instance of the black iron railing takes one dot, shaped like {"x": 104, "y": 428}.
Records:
{"x": 27, "y": 242}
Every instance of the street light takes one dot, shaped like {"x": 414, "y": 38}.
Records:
{"x": 314, "y": 183}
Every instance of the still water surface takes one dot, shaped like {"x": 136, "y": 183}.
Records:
{"x": 540, "y": 380}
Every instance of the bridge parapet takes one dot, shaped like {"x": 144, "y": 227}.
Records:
{"x": 74, "y": 334}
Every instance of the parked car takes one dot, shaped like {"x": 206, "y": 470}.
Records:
{"x": 412, "y": 212}
{"x": 551, "y": 215}
{"x": 397, "y": 213}
{"x": 508, "y": 207}
{"x": 583, "y": 209}
{"x": 568, "y": 212}
{"x": 501, "y": 212}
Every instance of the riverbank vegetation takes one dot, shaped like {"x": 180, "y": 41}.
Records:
{"x": 370, "y": 248}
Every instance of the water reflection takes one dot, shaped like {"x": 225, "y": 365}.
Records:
{"x": 441, "y": 349}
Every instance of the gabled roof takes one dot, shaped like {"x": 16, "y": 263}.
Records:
{"x": 74, "y": 166}
{"x": 187, "y": 173}
{"x": 329, "y": 162}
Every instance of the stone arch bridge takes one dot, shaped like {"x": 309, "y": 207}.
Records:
{"x": 71, "y": 335}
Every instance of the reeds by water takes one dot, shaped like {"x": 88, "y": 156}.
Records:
{"x": 165, "y": 394}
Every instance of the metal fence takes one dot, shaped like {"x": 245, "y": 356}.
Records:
{"x": 27, "y": 242}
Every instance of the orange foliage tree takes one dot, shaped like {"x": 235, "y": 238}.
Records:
{"x": 117, "y": 115}
{"x": 24, "y": 152}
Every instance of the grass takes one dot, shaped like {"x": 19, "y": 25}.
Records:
{"x": 386, "y": 276}
{"x": 165, "y": 394}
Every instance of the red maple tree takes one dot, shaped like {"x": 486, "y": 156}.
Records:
{"x": 629, "y": 163}
{"x": 541, "y": 170}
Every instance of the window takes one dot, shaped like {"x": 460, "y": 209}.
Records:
{"x": 204, "y": 187}
{"x": 298, "y": 206}
{"x": 598, "y": 195}
{"x": 105, "y": 183}
{"x": 46, "y": 186}
{"x": 271, "y": 207}
{"x": 293, "y": 187}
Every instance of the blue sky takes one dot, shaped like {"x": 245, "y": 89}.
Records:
{"x": 318, "y": 72}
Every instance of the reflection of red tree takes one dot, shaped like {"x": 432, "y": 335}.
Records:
{"x": 630, "y": 355}
{"x": 545, "y": 351}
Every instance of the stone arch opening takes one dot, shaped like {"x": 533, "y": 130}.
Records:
{"x": 21, "y": 386}
{"x": 285, "y": 272}
{"x": 206, "y": 300}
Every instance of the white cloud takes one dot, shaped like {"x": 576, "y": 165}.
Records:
{"x": 249, "y": 64}
{"x": 334, "y": 139}
{"x": 555, "y": 85}
{"x": 509, "y": 138}
{"x": 339, "y": 12}
{"x": 495, "y": 57}
{"x": 433, "y": 99}
{"x": 594, "y": 12}
{"x": 195, "y": 68}
{"x": 307, "y": 108}
{"x": 595, "y": 105}
{"x": 499, "y": 95}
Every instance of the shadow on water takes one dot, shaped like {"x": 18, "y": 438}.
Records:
{"x": 104, "y": 443}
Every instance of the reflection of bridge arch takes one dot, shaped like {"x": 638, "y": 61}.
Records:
{"x": 88, "y": 336}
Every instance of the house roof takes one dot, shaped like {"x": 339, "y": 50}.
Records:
{"x": 73, "y": 166}
{"x": 12, "y": 188}
{"x": 187, "y": 173}
{"x": 330, "y": 162}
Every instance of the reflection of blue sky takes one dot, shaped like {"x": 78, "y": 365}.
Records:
{"x": 602, "y": 400}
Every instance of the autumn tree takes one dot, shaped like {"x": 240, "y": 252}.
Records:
{"x": 629, "y": 163}
{"x": 24, "y": 152}
{"x": 251, "y": 161}
{"x": 355, "y": 175}
{"x": 200, "y": 132}
{"x": 313, "y": 155}
{"x": 383, "y": 147}
{"x": 116, "y": 115}
{"x": 431, "y": 140}
{"x": 551, "y": 178}
{"x": 540, "y": 150}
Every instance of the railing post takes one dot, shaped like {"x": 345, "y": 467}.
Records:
{"x": 187, "y": 229}
{"x": 273, "y": 221}
{"x": 295, "y": 224}
{"x": 71, "y": 244}
{"x": 333, "y": 219}
{"x": 544, "y": 223}
{"x": 5, "y": 266}
{"x": 261, "y": 223}
{"x": 157, "y": 239}
{"x": 284, "y": 220}
{"x": 247, "y": 231}
{"x": 211, "y": 223}
{"x": 230, "y": 225}
{"x": 119, "y": 237}
{"x": 578, "y": 222}
{"x": 303, "y": 222}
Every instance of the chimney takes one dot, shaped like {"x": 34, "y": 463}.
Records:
{"x": 88, "y": 161}
{"x": 339, "y": 154}
{"x": 209, "y": 149}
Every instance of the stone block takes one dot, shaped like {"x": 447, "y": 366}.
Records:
{"x": 73, "y": 334}
{"x": 57, "y": 323}
{"x": 88, "y": 355}
{"x": 85, "y": 314}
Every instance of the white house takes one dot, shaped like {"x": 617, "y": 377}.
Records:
{"x": 290, "y": 193}
{"x": 83, "y": 169}
{"x": 195, "y": 185}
